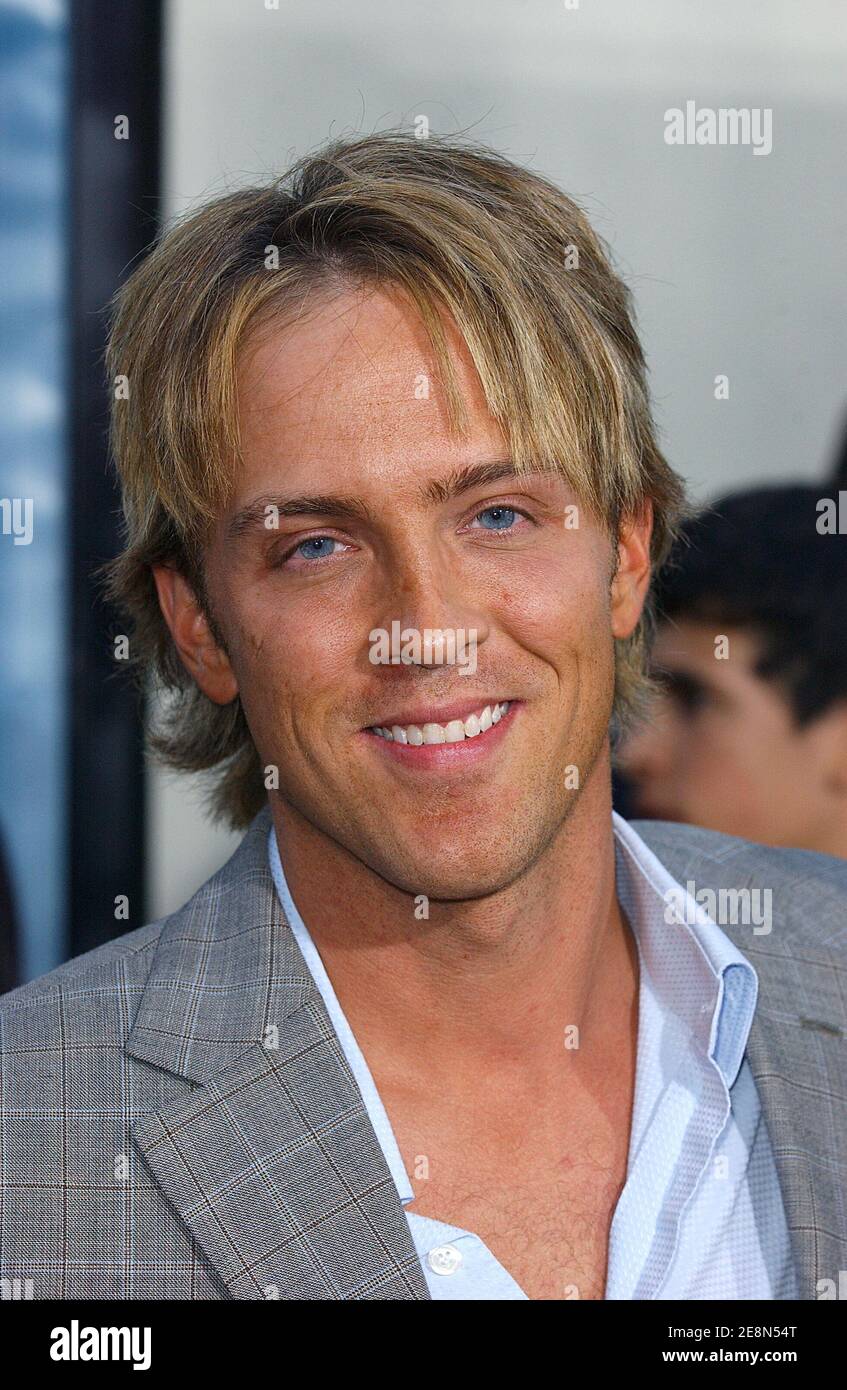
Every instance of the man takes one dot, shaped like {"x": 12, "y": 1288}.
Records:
{"x": 750, "y": 735}
{"x": 442, "y": 1027}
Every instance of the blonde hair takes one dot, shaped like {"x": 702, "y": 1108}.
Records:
{"x": 457, "y": 227}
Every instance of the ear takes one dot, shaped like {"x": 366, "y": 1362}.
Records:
{"x": 199, "y": 652}
{"x": 632, "y": 577}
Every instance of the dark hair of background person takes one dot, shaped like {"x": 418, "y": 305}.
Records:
{"x": 756, "y": 560}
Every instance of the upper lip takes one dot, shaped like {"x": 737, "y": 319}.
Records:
{"x": 437, "y": 714}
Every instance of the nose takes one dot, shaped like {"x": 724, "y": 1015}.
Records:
{"x": 428, "y": 607}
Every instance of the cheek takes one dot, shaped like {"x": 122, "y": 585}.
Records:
{"x": 560, "y": 613}
{"x": 734, "y": 749}
{"x": 288, "y": 654}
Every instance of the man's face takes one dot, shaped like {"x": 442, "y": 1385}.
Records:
{"x": 384, "y": 516}
{"x": 721, "y": 748}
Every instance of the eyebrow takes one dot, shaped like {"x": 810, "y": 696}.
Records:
{"x": 437, "y": 490}
{"x": 253, "y": 516}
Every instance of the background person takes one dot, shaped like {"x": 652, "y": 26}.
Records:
{"x": 749, "y": 735}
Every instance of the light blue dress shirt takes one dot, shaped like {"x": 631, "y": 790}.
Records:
{"x": 701, "y": 1214}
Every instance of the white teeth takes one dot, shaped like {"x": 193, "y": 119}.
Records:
{"x": 453, "y": 732}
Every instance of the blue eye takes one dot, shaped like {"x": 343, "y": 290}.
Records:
{"x": 312, "y": 548}
{"x": 502, "y": 518}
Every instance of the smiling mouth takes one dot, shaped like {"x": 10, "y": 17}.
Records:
{"x": 475, "y": 724}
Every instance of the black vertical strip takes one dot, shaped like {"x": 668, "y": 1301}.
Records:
{"x": 113, "y": 208}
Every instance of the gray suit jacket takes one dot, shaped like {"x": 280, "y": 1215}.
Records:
{"x": 179, "y": 1121}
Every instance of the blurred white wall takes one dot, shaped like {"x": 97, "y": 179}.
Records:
{"x": 735, "y": 259}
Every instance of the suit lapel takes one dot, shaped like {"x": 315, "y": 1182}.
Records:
{"x": 796, "y": 1051}
{"x": 792, "y": 1161}
{"x": 796, "y": 1046}
{"x": 271, "y": 1161}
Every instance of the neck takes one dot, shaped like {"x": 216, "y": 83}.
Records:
{"x": 493, "y": 982}
{"x": 829, "y": 837}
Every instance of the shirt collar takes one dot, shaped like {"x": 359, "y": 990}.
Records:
{"x": 668, "y": 920}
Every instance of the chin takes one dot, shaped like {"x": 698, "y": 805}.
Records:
{"x": 468, "y": 888}
{"x": 449, "y": 877}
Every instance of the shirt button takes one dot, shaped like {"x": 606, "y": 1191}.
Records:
{"x": 444, "y": 1259}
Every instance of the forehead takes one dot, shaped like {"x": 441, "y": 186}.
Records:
{"x": 351, "y": 385}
